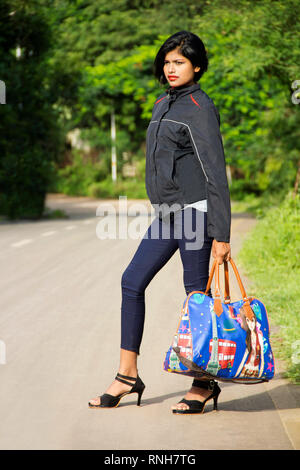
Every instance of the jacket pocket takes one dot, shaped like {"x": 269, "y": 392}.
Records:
{"x": 190, "y": 178}
{"x": 166, "y": 174}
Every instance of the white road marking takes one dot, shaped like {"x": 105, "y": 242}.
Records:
{"x": 89, "y": 221}
{"x": 21, "y": 243}
{"x": 47, "y": 234}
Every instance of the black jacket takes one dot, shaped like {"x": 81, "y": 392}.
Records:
{"x": 185, "y": 159}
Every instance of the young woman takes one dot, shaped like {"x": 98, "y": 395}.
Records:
{"x": 187, "y": 185}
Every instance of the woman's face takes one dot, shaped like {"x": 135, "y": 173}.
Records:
{"x": 178, "y": 69}
{"x": 251, "y": 323}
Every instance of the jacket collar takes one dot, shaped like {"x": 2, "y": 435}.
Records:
{"x": 182, "y": 90}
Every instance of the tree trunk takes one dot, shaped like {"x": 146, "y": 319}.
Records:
{"x": 297, "y": 181}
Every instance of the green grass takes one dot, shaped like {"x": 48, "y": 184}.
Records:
{"x": 257, "y": 205}
{"x": 271, "y": 258}
{"x": 54, "y": 214}
{"x": 132, "y": 188}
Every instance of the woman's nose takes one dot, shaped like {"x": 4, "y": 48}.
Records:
{"x": 171, "y": 68}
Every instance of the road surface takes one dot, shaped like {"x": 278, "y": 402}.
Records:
{"x": 59, "y": 335}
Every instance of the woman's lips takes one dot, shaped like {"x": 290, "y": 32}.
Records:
{"x": 172, "y": 77}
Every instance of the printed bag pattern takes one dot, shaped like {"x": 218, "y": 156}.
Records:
{"x": 225, "y": 341}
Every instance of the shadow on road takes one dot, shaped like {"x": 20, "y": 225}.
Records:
{"x": 250, "y": 403}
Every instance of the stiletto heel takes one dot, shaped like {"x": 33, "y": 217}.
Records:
{"x": 197, "y": 406}
{"x": 216, "y": 403}
{"x": 140, "y": 397}
{"x": 111, "y": 401}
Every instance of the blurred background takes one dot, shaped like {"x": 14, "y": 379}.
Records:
{"x": 73, "y": 71}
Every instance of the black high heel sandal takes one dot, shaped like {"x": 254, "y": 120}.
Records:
{"x": 196, "y": 406}
{"x": 111, "y": 401}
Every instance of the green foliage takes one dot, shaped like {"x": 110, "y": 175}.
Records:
{"x": 24, "y": 178}
{"x": 93, "y": 33}
{"x": 128, "y": 88}
{"x": 54, "y": 214}
{"x": 87, "y": 178}
{"x": 271, "y": 256}
{"x": 252, "y": 63}
{"x": 254, "y": 54}
{"x": 81, "y": 60}
{"x": 133, "y": 189}
{"x": 30, "y": 136}
{"x": 76, "y": 179}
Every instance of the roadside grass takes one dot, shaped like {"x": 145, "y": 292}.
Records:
{"x": 47, "y": 214}
{"x": 271, "y": 257}
{"x": 54, "y": 214}
{"x": 132, "y": 188}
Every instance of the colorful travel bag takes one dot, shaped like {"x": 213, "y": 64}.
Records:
{"x": 226, "y": 341}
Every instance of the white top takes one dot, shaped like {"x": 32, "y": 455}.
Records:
{"x": 199, "y": 205}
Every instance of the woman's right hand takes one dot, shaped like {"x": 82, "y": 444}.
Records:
{"x": 221, "y": 251}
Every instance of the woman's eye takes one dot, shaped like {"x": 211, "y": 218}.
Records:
{"x": 177, "y": 63}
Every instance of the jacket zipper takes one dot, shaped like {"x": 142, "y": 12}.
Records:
{"x": 155, "y": 169}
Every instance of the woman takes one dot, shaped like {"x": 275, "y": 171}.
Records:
{"x": 187, "y": 185}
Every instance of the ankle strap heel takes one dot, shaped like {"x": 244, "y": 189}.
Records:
{"x": 137, "y": 387}
{"x": 197, "y": 406}
{"x": 206, "y": 384}
{"x": 120, "y": 378}
{"x": 111, "y": 401}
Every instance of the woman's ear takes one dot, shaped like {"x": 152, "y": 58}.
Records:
{"x": 197, "y": 69}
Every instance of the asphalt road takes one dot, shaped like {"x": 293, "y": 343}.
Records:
{"x": 59, "y": 346}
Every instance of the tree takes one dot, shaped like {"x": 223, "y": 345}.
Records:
{"x": 254, "y": 51}
{"x": 30, "y": 135}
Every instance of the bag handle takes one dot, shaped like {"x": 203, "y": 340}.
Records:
{"x": 215, "y": 271}
{"x": 226, "y": 282}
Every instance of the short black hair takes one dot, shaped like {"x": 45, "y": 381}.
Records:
{"x": 190, "y": 46}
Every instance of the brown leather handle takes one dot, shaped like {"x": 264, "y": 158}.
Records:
{"x": 215, "y": 271}
{"x": 226, "y": 281}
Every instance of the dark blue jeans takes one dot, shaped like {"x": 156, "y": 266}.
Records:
{"x": 187, "y": 231}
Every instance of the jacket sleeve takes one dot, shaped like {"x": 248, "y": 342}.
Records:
{"x": 208, "y": 147}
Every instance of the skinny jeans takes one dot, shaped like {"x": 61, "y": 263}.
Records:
{"x": 185, "y": 230}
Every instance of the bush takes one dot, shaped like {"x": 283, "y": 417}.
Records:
{"x": 271, "y": 256}
{"x": 24, "y": 179}
{"x": 132, "y": 188}
{"x": 86, "y": 178}
{"x": 77, "y": 178}
{"x": 29, "y": 129}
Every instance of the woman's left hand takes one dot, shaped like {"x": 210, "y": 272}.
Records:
{"x": 221, "y": 251}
